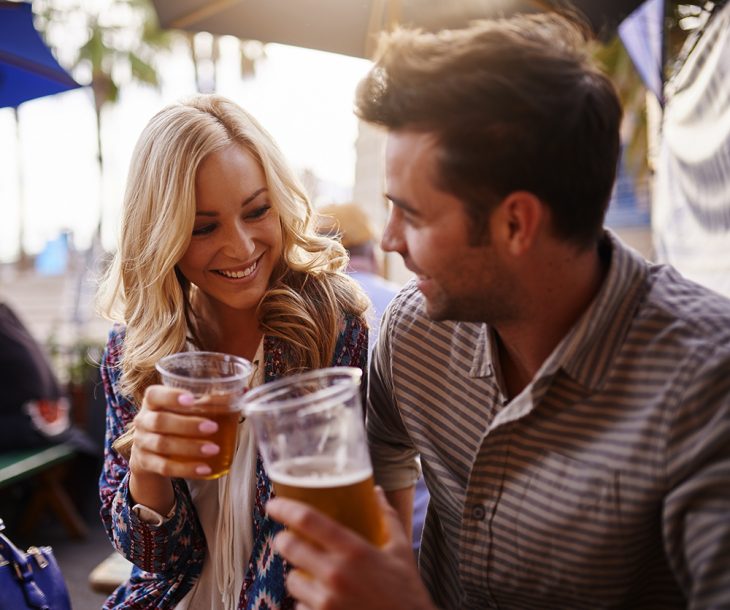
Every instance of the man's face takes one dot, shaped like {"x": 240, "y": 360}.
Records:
{"x": 429, "y": 228}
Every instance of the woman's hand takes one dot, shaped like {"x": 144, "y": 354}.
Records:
{"x": 169, "y": 440}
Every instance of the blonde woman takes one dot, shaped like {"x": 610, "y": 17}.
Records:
{"x": 218, "y": 251}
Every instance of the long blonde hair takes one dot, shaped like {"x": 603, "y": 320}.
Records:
{"x": 142, "y": 288}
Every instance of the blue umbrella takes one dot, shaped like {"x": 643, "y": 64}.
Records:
{"x": 27, "y": 68}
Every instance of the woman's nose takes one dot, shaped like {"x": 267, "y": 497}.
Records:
{"x": 240, "y": 242}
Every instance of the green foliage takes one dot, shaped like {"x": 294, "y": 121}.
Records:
{"x": 76, "y": 363}
{"x": 616, "y": 62}
{"x": 83, "y": 359}
{"x": 118, "y": 41}
{"x": 682, "y": 20}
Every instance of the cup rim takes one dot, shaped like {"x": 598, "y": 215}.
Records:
{"x": 250, "y": 405}
{"x": 247, "y": 366}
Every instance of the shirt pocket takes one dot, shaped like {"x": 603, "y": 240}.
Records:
{"x": 570, "y": 534}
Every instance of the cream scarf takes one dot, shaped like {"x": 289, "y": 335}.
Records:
{"x": 225, "y": 510}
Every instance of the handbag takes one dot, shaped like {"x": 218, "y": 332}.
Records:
{"x": 30, "y": 580}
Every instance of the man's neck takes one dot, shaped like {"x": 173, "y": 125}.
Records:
{"x": 565, "y": 288}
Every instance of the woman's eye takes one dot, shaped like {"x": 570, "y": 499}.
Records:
{"x": 258, "y": 212}
{"x": 203, "y": 230}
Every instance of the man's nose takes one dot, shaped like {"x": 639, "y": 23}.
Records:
{"x": 392, "y": 239}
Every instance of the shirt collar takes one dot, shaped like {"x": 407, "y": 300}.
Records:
{"x": 587, "y": 351}
{"x": 469, "y": 353}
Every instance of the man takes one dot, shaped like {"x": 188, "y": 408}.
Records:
{"x": 570, "y": 401}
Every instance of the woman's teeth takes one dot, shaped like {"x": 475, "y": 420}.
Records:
{"x": 237, "y": 275}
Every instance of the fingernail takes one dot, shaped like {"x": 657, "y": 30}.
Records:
{"x": 277, "y": 545}
{"x": 208, "y": 426}
{"x": 209, "y": 449}
{"x": 186, "y": 399}
{"x": 203, "y": 470}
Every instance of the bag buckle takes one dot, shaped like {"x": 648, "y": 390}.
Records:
{"x": 38, "y": 556}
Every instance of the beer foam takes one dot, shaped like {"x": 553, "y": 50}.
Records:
{"x": 316, "y": 474}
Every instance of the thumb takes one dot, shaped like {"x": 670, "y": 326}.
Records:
{"x": 396, "y": 535}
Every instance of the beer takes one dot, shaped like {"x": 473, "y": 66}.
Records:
{"x": 218, "y": 382}
{"x": 348, "y": 497}
{"x": 225, "y": 437}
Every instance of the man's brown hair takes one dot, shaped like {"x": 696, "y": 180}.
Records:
{"x": 515, "y": 104}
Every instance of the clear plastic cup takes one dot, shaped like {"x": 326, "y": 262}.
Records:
{"x": 218, "y": 383}
{"x": 310, "y": 431}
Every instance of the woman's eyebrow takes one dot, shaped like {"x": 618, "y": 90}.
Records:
{"x": 253, "y": 196}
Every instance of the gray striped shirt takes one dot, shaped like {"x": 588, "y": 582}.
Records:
{"x": 604, "y": 484}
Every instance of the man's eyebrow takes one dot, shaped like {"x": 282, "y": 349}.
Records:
{"x": 400, "y": 203}
{"x": 245, "y": 202}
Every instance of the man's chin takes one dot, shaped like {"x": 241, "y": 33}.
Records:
{"x": 434, "y": 311}
{"x": 436, "y": 307}
{"x": 440, "y": 311}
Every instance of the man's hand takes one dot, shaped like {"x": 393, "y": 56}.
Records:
{"x": 342, "y": 570}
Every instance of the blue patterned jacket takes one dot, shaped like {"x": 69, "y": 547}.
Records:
{"x": 169, "y": 558}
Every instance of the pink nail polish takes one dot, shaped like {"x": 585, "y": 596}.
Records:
{"x": 203, "y": 470}
{"x": 210, "y": 449}
{"x": 186, "y": 399}
{"x": 208, "y": 426}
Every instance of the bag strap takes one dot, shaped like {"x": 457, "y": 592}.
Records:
{"x": 34, "y": 597}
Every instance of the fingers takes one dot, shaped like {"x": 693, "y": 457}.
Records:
{"x": 170, "y": 423}
{"x": 168, "y": 439}
{"x": 145, "y": 462}
{"x": 396, "y": 534}
{"x": 167, "y": 411}
{"x": 177, "y": 446}
{"x": 301, "y": 517}
{"x": 170, "y": 455}
{"x": 300, "y": 552}
{"x": 304, "y": 588}
{"x": 160, "y": 397}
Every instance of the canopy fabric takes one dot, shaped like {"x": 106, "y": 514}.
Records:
{"x": 691, "y": 213}
{"x": 349, "y": 27}
{"x": 642, "y": 34}
{"x": 27, "y": 68}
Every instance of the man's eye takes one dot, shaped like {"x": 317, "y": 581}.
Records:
{"x": 203, "y": 230}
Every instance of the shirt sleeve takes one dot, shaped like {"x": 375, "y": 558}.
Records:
{"x": 166, "y": 547}
{"x": 395, "y": 459}
{"x": 696, "y": 516}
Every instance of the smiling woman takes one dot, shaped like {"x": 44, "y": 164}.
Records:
{"x": 218, "y": 252}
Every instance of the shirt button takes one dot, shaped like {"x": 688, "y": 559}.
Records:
{"x": 478, "y": 512}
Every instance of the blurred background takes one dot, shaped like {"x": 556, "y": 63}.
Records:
{"x": 66, "y": 142}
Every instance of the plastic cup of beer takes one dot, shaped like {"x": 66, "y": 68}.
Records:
{"x": 311, "y": 435}
{"x": 217, "y": 382}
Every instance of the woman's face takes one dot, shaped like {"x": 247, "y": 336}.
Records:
{"x": 236, "y": 241}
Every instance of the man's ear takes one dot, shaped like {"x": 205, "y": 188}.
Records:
{"x": 518, "y": 221}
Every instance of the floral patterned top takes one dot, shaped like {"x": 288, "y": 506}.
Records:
{"x": 168, "y": 558}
